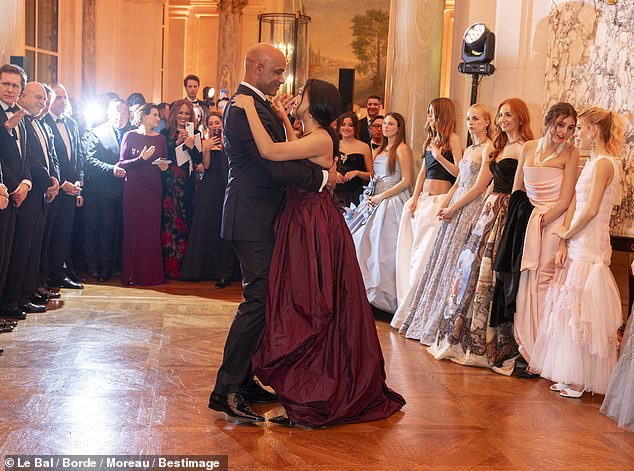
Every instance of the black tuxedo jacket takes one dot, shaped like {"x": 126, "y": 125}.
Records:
{"x": 15, "y": 167}
{"x": 69, "y": 170}
{"x": 255, "y": 185}
{"x": 102, "y": 153}
{"x": 364, "y": 131}
{"x": 40, "y": 176}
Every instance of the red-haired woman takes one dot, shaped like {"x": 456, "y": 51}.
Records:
{"x": 464, "y": 334}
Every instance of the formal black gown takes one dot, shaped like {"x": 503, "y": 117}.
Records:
{"x": 349, "y": 192}
{"x": 208, "y": 257}
{"x": 319, "y": 350}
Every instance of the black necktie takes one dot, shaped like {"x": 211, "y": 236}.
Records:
{"x": 12, "y": 109}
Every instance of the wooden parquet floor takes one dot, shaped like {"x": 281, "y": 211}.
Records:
{"x": 117, "y": 370}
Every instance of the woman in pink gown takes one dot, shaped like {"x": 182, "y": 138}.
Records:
{"x": 319, "y": 350}
{"x": 547, "y": 171}
{"x": 576, "y": 344}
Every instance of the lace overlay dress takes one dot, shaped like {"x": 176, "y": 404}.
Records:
{"x": 576, "y": 343}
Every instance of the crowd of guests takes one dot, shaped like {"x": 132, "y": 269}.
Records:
{"x": 499, "y": 258}
{"x": 116, "y": 199}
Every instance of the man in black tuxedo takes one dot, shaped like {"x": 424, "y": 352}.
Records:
{"x": 373, "y": 106}
{"x": 16, "y": 172}
{"x": 252, "y": 199}
{"x": 376, "y": 129}
{"x": 29, "y": 227}
{"x": 59, "y": 222}
{"x": 103, "y": 190}
{"x": 192, "y": 85}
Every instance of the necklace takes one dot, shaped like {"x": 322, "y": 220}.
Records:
{"x": 510, "y": 143}
{"x": 553, "y": 156}
{"x": 477, "y": 146}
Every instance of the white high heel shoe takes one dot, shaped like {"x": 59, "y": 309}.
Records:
{"x": 558, "y": 387}
{"x": 568, "y": 392}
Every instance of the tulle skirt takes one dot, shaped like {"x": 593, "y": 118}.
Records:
{"x": 576, "y": 343}
{"x": 619, "y": 398}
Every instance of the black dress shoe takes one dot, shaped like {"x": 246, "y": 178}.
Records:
{"x": 30, "y": 307}
{"x": 1, "y": 350}
{"x": 13, "y": 313}
{"x": 4, "y": 328}
{"x": 74, "y": 276}
{"x": 234, "y": 406}
{"x": 8, "y": 322}
{"x": 66, "y": 282}
{"x": 37, "y": 298}
{"x": 282, "y": 420}
{"x": 223, "y": 283}
{"x": 256, "y": 394}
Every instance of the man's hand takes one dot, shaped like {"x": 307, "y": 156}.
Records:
{"x": 19, "y": 195}
{"x": 4, "y": 197}
{"x": 118, "y": 171}
{"x": 70, "y": 189}
{"x": 14, "y": 120}
{"x": 332, "y": 176}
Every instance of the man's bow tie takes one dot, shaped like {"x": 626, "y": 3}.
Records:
{"x": 13, "y": 109}
{"x": 375, "y": 145}
{"x": 60, "y": 119}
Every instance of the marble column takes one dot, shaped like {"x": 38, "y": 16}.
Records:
{"x": 589, "y": 63}
{"x": 229, "y": 34}
{"x": 414, "y": 63}
{"x": 89, "y": 46}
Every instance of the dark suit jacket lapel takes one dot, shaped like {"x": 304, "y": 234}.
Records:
{"x": 260, "y": 104}
{"x": 14, "y": 143}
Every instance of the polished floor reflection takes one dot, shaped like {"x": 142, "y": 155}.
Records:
{"x": 117, "y": 370}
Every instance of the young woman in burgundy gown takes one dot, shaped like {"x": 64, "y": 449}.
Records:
{"x": 319, "y": 350}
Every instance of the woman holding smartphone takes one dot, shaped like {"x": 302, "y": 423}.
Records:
{"x": 208, "y": 257}
{"x": 184, "y": 150}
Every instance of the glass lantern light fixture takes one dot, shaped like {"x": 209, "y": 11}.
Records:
{"x": 289, "y": 33}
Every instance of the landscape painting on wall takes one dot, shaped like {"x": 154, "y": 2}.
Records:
{"x": 344, "y": 34}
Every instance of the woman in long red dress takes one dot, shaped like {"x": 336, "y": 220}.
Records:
{"x": 142, "y": 200}
{"x": 319, "y": 350}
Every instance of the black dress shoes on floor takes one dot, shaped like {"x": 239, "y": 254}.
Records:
{"x": 66, "y": 282}
{"x": 222, "y": 283}
{"x": 37, "y": 298}
{"x": 13, "y": 313}
{"x": 256, "y": 394}
{"x": 282, "y": 420}
{"x": 32, "y": 308}
{"x": 234, "y": 406}
{"x": 8, "y": 322}
{"x": 48, "y": 293}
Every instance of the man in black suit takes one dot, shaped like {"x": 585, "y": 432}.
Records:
{"x": 252, "y": 199}
{"x": 103, "y": 190}
{"x": 373, "y": 107}
{"x": 15, "y": 169}
{"x": 59, "y": 222}
{"x": 29, "y": 226}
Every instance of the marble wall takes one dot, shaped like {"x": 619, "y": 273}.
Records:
{"x": 590, "y": 53}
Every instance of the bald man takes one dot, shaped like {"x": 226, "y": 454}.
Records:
{"x": 29, "y": 226}
{"x": 252, "y": 199}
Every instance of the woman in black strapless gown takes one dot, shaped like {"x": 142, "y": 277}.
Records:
{"x": 207, "y": 256}
{"x": 319, "y": 350}
{"x": 465, "y": 335}
{"x": 354, "y": 167}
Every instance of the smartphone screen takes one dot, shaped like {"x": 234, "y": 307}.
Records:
{"x": 189, "y": 127}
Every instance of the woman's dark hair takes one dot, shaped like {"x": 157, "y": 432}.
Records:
{"x": 140, "y": 111}
{"x": 355, "y": 122}
{"x": 325, "y": 106}
{"x": 401, "y": 137}
{"x": 559, "y": 110}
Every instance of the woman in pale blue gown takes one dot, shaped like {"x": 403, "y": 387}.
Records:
{"x": 374, "y": 223}
{"x": 619, "y": 398}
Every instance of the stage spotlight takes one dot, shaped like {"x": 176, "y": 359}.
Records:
{"x": 478, "y": 49}
{"x": 94, "y": 113}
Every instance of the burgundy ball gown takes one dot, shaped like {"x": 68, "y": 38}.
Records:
{"x": 319, "y": 350}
